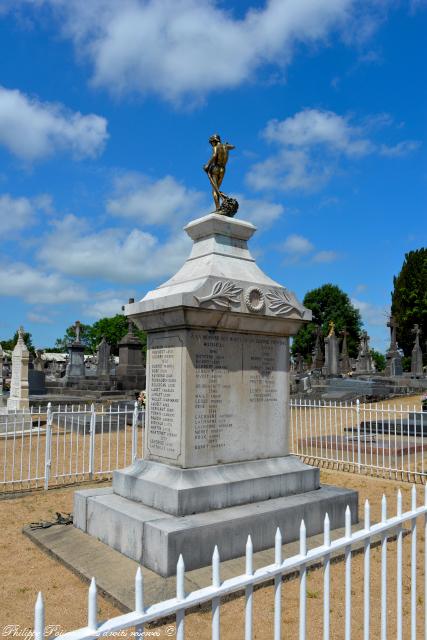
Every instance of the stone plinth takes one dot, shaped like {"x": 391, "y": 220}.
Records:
{"x": 331, "y": 355}
{"x": 76, "y": 366}
{"x": 216, "y": 457}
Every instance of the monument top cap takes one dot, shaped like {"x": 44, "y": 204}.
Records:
{"x": 217, "y": 224}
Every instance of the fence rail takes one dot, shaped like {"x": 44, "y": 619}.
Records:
{"x": 275, "y": 572}
{"x": 372, "y": 439}
{"x": 65, "y": 444}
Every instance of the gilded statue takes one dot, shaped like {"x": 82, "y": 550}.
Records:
{"x": 215, "y": 170}
{"x": 331, "y": 328}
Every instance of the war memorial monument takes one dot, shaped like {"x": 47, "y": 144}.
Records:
{"x": 216, "y": 463}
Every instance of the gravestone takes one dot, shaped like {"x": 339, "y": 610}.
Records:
{"x": 103, "y": 367}
{"x": 331, "y": 352}
{"x": 130, "y": 371}
{"x": 345, "y": 365}
{"x": 318, "y": 359}
{"x": 75, "y": 370}
{"x": 417, "y": 354}
{"x": 393, "y": 357}
{"x": 364, "y": 362}
{"x": 216, "y": 461}
{"x": 18, "y": 399}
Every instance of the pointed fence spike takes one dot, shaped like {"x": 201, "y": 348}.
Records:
{"x": 180, "y": 578}
{"x": 278, "y": 547}
{"x": 139, "y": 591}
{"x": 425, "y": 494}
{"x": 413, "y": 497}
{"x": 92, "y": 618}
{"x": 216, "y": 578}
{"x": 39, "y": 618}
{"x": 249, "y": 556}
{"x": 347, "y": 522}
{"x": 326, "y": 531}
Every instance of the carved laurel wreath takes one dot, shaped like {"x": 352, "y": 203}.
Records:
{"x": 223, "y": 294}
{"x": 254, "y": 299}
{"x": 282, "y": 303}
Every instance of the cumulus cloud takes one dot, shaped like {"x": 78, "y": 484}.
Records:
{"x": 105, "y": 306}
{"x": 296, "y": 245}
{"x": 19, "y": 213}
{"x": 150, "y": 201}
{"x": 37, "y": 286}
{"x": 372, "y": 314}
{"x": 325, "y": 256}
{"x": 31, "y": 129}
{"x": 311, "y": 143}
{"x": 113, "y": 255}
{"x": 39, "y": 318}
{"x": 168, "y": 49}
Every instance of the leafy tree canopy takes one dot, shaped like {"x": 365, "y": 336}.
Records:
{"x": 328, "y": 303}
{"x": 113, "y": 329}
{"x": 409, "y": 299}
{"x": 379, "y": 360}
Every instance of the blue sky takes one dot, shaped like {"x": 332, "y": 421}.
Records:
{"x": 106, "y": 108}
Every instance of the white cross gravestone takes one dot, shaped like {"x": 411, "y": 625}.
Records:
{"x": 18, "y": 399}
{"x": 216, "y": 463}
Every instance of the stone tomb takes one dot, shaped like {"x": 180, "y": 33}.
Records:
{"x": 216, "y": 461}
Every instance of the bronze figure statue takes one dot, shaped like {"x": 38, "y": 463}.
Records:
{"x": 215, "y": 170}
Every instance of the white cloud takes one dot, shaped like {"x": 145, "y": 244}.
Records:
{"x": 258, "y": 211}
{"x": 310, "y": 145}
{"x": 324, "y": 257}
{"x": 36, "y": 286}
{"x": 177, "y": 48}
{"x": 31, "y": 129}
{"x": 39, "y": 318}
{"x": 297, "y": 246}
{"x": 113, "y": 255}
{"x": 372, "y": 314}
{"x": 163, "y": 201}
{"x": 19, "y": 213}
{"x": 105, "y": 308}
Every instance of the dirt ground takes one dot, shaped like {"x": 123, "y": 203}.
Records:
{"x": 25, "y": 570}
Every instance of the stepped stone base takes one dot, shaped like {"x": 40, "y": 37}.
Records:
{"x": 189, "y": 511}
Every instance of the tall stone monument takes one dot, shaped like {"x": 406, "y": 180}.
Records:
{"x": 130, "y": 371}
{"x": 345, "y": 366}
{"x": 216, "y": 463}
{"x": 103, "y": 366}
{"x": 417, "y": 354}
{"x": 393, "y": 358}
{"x": 331, "y": 352}
{"x": 364, "y": 362}
{"x": 318, "y": 360}
{"x": 76, "y": 370}
{"x": 18, "y": 399}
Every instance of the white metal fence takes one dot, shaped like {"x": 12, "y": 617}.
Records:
{"x": 407, "y": 614}
{"x": 66, "y": 444}
{"x": 376, "y": 439}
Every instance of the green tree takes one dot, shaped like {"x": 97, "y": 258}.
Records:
{"x": 379, "y": 360}
{"x": 10, "y": 344}
{"x": 328, "y": 303}
{"x": 114, "y": 329}
{"x": 409, "y": 299}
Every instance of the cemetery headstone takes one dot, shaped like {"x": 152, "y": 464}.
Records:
{"x": 393, "y": 356}
{"x": 103, "y": 367}
{"x": 318, "y": 359}
{"x": 76, "y": 370}
{"x": 417, "y": 354}
{"x": 364, "y": 362}
{"x": 18, "y": 399}
{"x": 345, "y": 365}
{"x": 130, "y": 371}
{"x": 331, "y": 352}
